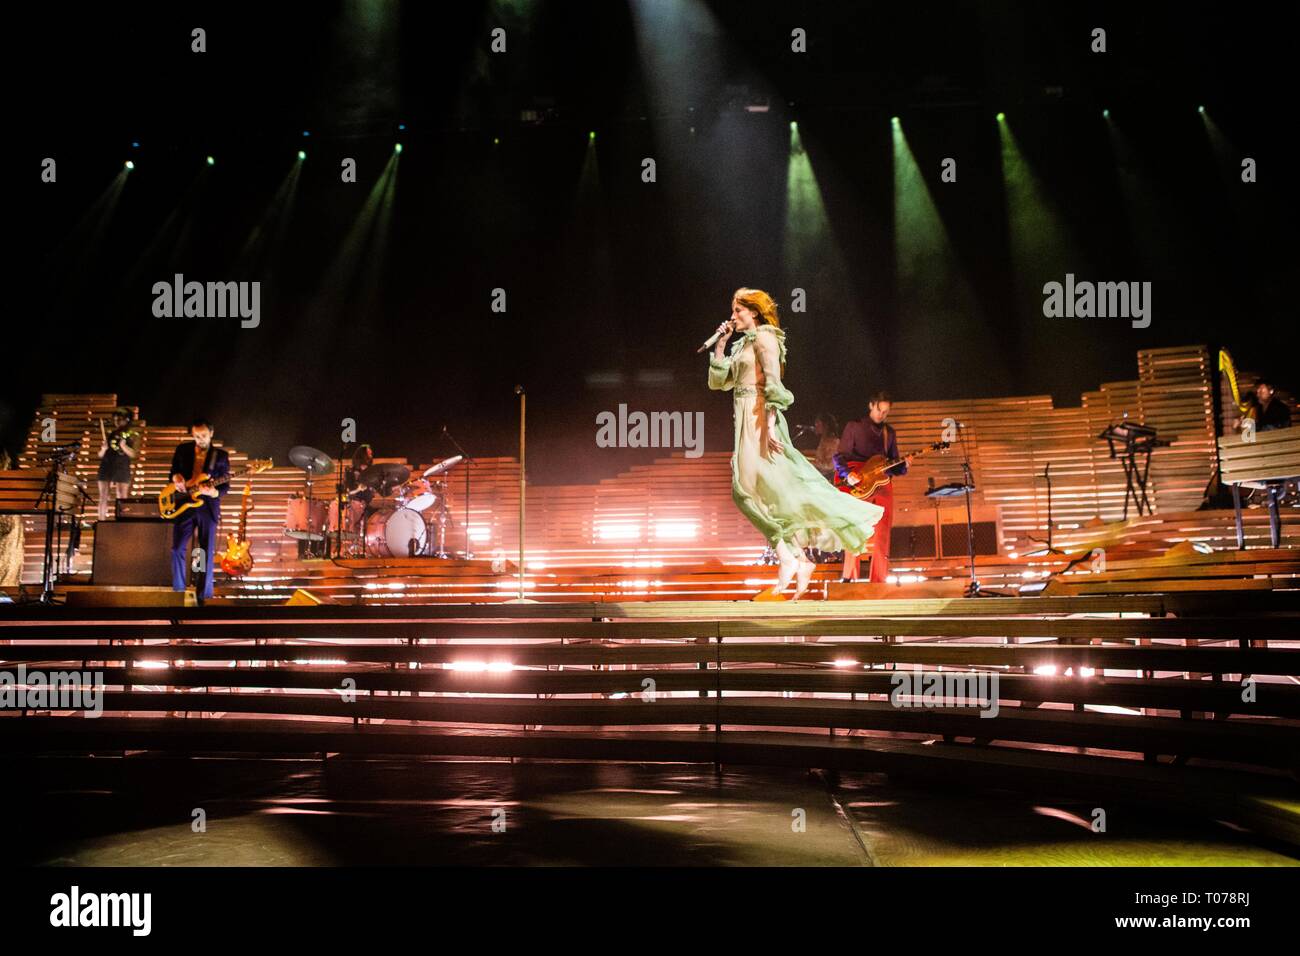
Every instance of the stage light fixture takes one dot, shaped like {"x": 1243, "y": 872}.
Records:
{"x": 130, "y": 165}
{"x": 893, "y": 121}
{"x": 1105, "y": 114}
{"x": 211, "y": 161}
{"x": 301, "y": 155}
{"x": 591, "y": 137}
{"x": 1002, "y": 117}
{"x": 1200, "y": 109}
{"x": 397, "y": 148}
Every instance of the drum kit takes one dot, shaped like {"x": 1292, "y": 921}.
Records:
{"x": 387, "y": 512}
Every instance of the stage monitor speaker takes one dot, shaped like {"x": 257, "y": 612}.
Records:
{"x": 911, "y": 541}
{"x": 955, "y": 545}
{"x": 133, "y": 553}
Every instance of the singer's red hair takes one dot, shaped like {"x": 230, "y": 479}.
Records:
{"x": 760, "y": 302}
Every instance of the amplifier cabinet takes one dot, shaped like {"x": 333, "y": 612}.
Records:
{"x": 133, "y": 552}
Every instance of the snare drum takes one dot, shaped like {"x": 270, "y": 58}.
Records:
{"x": 416, "y": 494}
{"x": 390, "y": 532}
{"x": 305, "y": 518}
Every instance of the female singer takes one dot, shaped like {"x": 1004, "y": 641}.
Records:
{"x": 772, "y": 483}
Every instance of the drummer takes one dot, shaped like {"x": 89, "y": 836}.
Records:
{"x": 355, "y": 480}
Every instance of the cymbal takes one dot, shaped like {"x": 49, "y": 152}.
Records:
{"x": 311, "y": 459}
{"x": 384, "y": 476}
{"x": 444, "y": 465}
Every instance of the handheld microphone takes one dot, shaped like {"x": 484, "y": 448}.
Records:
{"x": 709, "y": 342}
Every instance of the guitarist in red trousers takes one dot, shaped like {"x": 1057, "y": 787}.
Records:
{"x": 191, "y": 460}
{"x": 861, "y": 440}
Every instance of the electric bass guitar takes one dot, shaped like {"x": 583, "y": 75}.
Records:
{"x": 237, "y": 559}
{"x": 873, "y": 474}
{"x": 172, "y": 502}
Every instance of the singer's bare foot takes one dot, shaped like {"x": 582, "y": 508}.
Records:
{"x": 803, "y": 577}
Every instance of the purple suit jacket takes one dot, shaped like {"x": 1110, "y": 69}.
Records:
{"x": 864, "y": 438}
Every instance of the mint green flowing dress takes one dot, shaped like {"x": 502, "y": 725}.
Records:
{"x": 782, "y": 494}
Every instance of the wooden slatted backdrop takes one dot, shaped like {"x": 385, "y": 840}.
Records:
{"x": 677, "y": 513}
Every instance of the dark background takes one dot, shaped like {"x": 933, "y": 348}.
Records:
{"x": 611, "y": 286}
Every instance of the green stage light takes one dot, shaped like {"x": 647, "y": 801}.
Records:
{"x": 931, "y": 286}
{"x": 591, "y": 137}
{"x": 893, "y": 121}
{"x": 211, "y": 161}
{"x": 496, "y": 140}
{"x": 302, "y": 155}
{"x": 1105, "y": 114}
{"x": 1002, "y": 117}
{"x": 1200, "y": 109}
{"x": 130, "y": 165}
{"x": 397, "y": 148}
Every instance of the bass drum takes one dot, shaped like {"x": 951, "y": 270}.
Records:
{"x": 390, "y": 531}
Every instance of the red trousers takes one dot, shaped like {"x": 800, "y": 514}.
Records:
{"x": 878, "y": 545}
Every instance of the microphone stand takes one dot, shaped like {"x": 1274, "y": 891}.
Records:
{"x": 1047, "y": 475}
{"x": 469, "y": 462}
{"x": 340, "y": 496}
{"x": 973, "y": 589}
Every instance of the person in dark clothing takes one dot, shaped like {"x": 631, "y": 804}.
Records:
{"x": 355, "y": 475}
{"x": 1270, "y": 411}
{"x": 191, "y": 460}
{"x": 862, "y": 439}
{"x": 117, "y": 452}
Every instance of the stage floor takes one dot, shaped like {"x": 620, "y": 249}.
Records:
{"x": 119, "y": 812}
